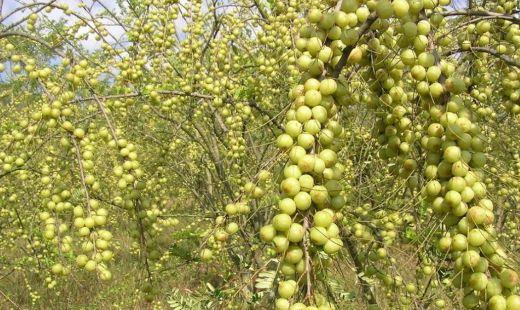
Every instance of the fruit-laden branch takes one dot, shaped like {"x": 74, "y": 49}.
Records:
{"x": 8, "y": 172}
{"x": 32, "y": 38}
{"x": 112, "y": 14}
{"x": 23, "y": 7}
{"x": 89, "y": 23}
{"x": 468, "y": 22}
{"x": 10, "y": 300}
{"x": 260, "y": 9}
{"x": 142, "y": 240}
{"x": 214, "y": 32}
{"x": 271, "y": 117}
{"x": 214, "y": 154}
{"x": 252, "y": 104}
{"x": 136, "y": 94}
{"x": 504, "y": 58}
{"x": 510, "y": 18}
{"x": 202, "y": 142}
{"x": 306, "y": 243}
{"x": 44, "y": 5}
{"x": 347, "y": 50}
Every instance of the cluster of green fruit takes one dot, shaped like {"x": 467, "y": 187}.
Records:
{"x": 416, "y": 73}
{"x": 228, "y": 225}
{"x": 287, "y": 289}
{"x": 88, "y": 222}
{"x": 511, "y": 91}
{"x": 397, "y": 138}
{"x": 457, "y": 195}
{"x": 311, "y": 191}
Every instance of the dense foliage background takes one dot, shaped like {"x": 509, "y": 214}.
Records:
{"x": 251, "y": 154}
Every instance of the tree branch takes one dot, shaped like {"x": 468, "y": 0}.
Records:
{"x": 27, "y": 16}
{"x": 481, "y": 13}
{"x": 260, "y": 10}
{"x": 365, "y": 286}
{"x": 476, "y": 49}
{"x": 32, "y": 38}
{"x": 347, "y": 50}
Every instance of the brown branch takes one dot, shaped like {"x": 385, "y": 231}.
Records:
{"x": 504, "y": 58}
{"x": 103, "y": 111}
{"x": 347, "y": 50}
{"x": 137, "y": 94}
{"x": 111, "y": 14}
{"x": 482, "y": 13}
{"x": 260, "y": 10}
{"x": 214, "y": 31}
{"x": 10, "y": 300}
{"x": 215, "y": 157}
{"x": 308, "y": 295}
{"x": 32, "y": 38}
{"x": 462, "y": 25}
{"x": 45, "y": 4}
{"x": 142, "y": 240}
{"x": 6, "y": 173}
{"x": 81, "y": 171}
{"x": 272, "y": 118}
{"x": 252, "y": 104}
{"x": 365, "y": 286}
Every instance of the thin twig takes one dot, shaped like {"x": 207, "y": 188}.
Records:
{"x": 476, "y": 49}
{"x": 347, "y": 50}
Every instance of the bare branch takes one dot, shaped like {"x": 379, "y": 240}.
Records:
{"x": 32, "y": 38}
{"x": 508, "y": 60}
{"x": 44, "y": 5}
{"x": 482, "y": 13}
{"x": 260, "y": 10}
